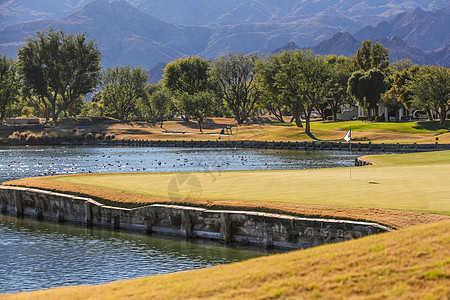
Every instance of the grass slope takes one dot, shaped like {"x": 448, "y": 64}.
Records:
{"x": 412, "y": 263}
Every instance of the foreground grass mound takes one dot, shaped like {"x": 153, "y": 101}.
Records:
{"x": 411, "y": 263}
{"x": 415, "y": 182}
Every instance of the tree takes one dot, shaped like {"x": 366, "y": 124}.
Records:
{"x": 299, "y": 80}
{"x": 9, "y": 85}
{"x": 58, "y": 65}
{"x": 199, "y": 106}
{"x": 234, "y": 78}
{"x": 430, "y": 89}
{"x": 337, "y": 87}
{"x": 398, "y": 88}
{"x": 266, "y": 71}
{"x": 186, "y": 76}
{"x": 26, "y": 111}
{"x": 370, "y": 56}
{"x": 154, "y": 106}
{"x": 401, "y": 65}
{"x": 366, "y": 87}
{"x": 122, "y": 87}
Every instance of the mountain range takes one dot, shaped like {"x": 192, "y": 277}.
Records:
{"x": 127, "y": 35}
{"x": 213, "y": 13}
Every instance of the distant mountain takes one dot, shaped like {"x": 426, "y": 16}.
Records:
{"x": 231, "y": 12}
{"x": 156, "y": 73}
{"x": 126, "y": 35}
{"x": 427, "y": 30}
{"x": 17, "y": 11}
{"x": 343, "y": 43}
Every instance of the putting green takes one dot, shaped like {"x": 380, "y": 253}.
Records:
{"x": 414, "y": 182}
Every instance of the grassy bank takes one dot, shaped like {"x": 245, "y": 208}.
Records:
{"x": 411, "y": 263}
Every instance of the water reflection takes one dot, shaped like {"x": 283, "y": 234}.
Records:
{"x": 37, "y": 255}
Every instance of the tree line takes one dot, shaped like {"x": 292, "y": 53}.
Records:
{"x": 55, "y": 71}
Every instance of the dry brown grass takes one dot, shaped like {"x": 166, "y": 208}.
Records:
{"x": 258, "y": 128}
{"x": 412, "y": 263}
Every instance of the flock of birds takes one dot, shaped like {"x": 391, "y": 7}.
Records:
{"x": 31, "y": 162}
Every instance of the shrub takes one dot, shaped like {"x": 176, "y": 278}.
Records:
{"x": 362, "y": 118}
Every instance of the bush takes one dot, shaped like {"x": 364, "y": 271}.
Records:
{"x": 380, "y": 119}
{"x": 330, "y": 118}
{"x": 362, "y": 118}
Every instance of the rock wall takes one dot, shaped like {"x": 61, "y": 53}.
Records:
{"x": 314, "y": 145}
{"x": 264, "y": 229}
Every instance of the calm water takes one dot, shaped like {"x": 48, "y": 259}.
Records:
{"x": 36, "y": 255}
{"x": 41, "y": 161}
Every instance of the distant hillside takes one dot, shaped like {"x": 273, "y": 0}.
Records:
{"x": 126, "y": 35}
{"x": 343, "y": 43}
{"x": 156, "y": 73}
{"x": 418, "y": 28}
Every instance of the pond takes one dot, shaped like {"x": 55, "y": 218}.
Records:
{"x": 36, "y": 255}
{"x": 22, "y": 162}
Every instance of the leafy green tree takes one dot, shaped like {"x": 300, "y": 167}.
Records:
{"x": 9, "y": 85}
{"x": 199, "y": 106}
{"x": 366, "y": 87}
{"x": 401, "y": 65}
{"x": 39, "y": 104}
{"x": 233, "y": 75}
{"x": 155, "y": 105}
{"x": 122, "y": 88}
{"x": 370, "y": 56}
{"x": 186, "y": 76}
{"x": 299, "y": 80}
{"x": 266, "y": 71}
{"x": 430, "y": 89}
{"x": 26, "y": 111}
{"x": 60, "y": 66}
{"x": 398, "y": 87}
{"x": 340, "y": 71}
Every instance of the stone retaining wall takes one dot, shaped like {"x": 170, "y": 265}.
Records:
{"x": 255, "y": 144}
{"x": 264, "y": 229}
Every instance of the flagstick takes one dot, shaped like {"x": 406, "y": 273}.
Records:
{"x": 350, "y": 145}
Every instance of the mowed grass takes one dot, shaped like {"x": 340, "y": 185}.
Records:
{"x": 403, "y": 127}
{"x": 411, "y": 181}
{"x": 411, "y": 263}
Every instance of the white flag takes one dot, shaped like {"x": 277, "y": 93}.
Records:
{"x": 348, "y": 136}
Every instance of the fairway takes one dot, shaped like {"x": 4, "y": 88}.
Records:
{"x": 423, "y": 186}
